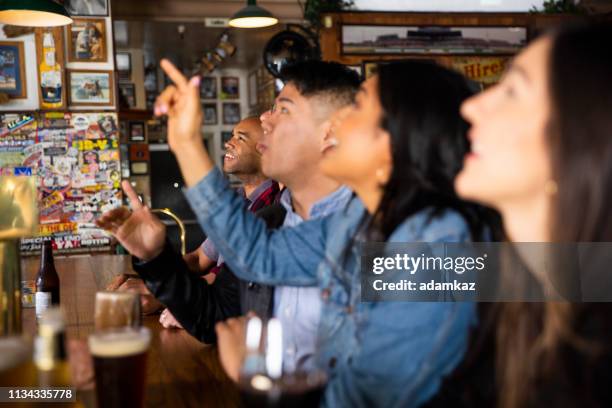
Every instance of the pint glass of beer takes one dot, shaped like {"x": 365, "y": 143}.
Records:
{"x": 116, "y": 310}
{"x": 120, "y": 365}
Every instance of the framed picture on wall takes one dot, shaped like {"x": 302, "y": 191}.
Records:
{"x": 87, "y": 40}
{"x": 210, "y": 113}
{"x": 91, "y": 88}
{"x": 86, "y": 7}
{"x": 208, "y": 88}
{"x": 231, "y": 113}
{"x": 127, "y": 98}
{"x": 124, "y": 65}
{"x": 139, "y": 169}
{"x": 139, "y": 152}
{"x": 155, "y": 131}
{"x": 12, "y": 65}
{"x": 438, "y": 40}
{"x": 137, "y": 132}
{"x": 230, "y": 87}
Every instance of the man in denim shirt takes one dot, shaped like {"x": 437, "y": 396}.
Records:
{"x": 290, "y": 149}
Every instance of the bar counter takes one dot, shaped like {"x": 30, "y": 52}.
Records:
{"x": 181, "y": 371}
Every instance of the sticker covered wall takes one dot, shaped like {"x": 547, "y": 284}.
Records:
{"x": 75, "y": 158}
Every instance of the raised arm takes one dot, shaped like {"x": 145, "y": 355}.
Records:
{"x": 286, "y": 256}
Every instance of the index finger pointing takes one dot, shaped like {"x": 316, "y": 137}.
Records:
{"x": 174, "y": 74}
{"x": 132, "y": 196}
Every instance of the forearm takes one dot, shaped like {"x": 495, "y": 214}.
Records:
{"x": 288, "y": 256}
{"x": 193, "y": 302}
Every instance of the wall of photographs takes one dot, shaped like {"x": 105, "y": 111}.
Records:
{"x": 69, "y": 68}
{"x": 75, "y": 158}
{"x": 59, "y": 86}
{"x": 225, "y": 101}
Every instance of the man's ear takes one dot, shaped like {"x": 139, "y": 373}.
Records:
{"x": 325, "y": 128}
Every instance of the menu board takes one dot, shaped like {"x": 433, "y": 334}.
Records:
{"x": 75, "y": 158}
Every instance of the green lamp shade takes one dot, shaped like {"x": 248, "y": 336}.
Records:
{"x": 252, "y": 16}
{"x": 33, "y": 13}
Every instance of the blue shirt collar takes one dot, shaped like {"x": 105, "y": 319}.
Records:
{"x": 325, "y": 206}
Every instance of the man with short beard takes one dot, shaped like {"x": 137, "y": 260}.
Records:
{"x": 242, "y": 160}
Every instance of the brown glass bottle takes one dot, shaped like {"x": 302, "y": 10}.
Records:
{"x": 47, "y": 281}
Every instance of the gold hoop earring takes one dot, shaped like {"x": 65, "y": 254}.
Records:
{"x": 551, "y": 187}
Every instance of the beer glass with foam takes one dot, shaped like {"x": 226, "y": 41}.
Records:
{"x": 120, "y": 366}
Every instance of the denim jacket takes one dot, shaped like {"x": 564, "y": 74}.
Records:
{"x": 376, "y": 354}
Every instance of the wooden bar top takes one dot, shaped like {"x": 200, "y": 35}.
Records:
{"x": 181, "y": 371}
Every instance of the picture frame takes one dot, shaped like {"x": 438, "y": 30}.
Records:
{"x": 230, "y": 87}
{"x": 155, "y": 131}
{"x": 87, "y": 40}
{"x": 49, "y": 97}
{"x": 208, "y": 87}
{"x": 231, "y": 113}
{"x": 127, "y": 97}
{"x": 140, "y": 168}
{"x": 123, "y": 65}
{"x": 137, "y": 132}
{"x": 98, "y": 8}
{"x": 13, "y": 80}
{"x": 362, "y": 39}
{"x": 139, "y": 152}
{"x": 91, "y": 88}
{"x": 210, "y": 113}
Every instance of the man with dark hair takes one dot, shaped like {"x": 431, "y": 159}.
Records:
{"x": 291, "y": 150}
{"x": 243, "y": 161}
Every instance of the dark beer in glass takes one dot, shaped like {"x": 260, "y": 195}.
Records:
{"x": 120, "y": 364}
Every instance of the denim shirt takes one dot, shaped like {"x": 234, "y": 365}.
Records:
{"x": 376, "y": 354}
{"x": 299, "y": 308}
{"x": 208, "y": 247}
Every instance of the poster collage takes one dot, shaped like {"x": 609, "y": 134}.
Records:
{"x": 75, "y": 159}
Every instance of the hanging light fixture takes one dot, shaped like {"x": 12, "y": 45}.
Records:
{"x": 33, "y": 13}
{"x": 252, "y": 16}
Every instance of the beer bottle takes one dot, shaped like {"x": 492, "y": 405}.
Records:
{"x": 47, "y": 281}
{"x": 50, "y": 75}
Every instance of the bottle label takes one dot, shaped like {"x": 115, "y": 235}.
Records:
{"x": 43, "y": 302}
{"x": 50, "y": 57}
{"x": 51, "y": 79}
